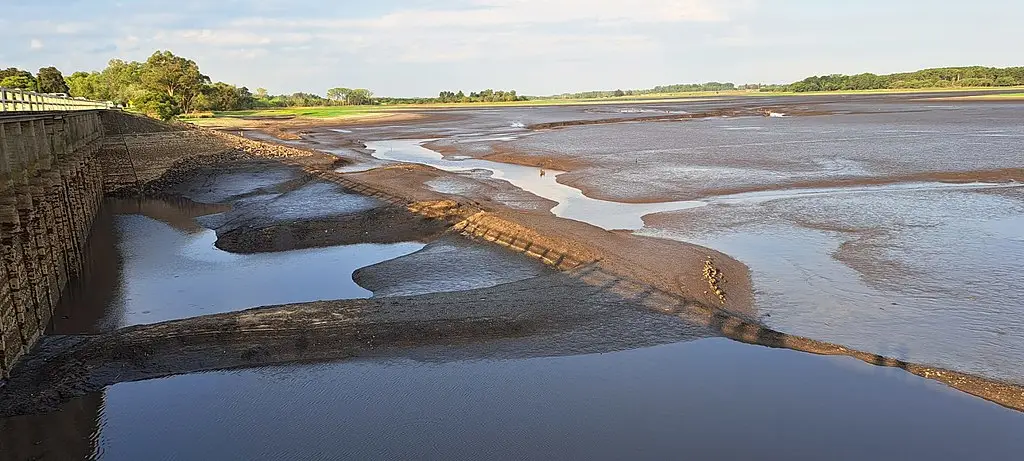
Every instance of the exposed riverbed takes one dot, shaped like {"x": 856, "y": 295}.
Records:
{"x": 438, "y": 346}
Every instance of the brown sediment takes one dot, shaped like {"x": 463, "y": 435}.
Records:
{"x": 507, "y": 154}
{"x": 584, "y": 169}
{"x": 294, "y": 128}
{"x": 748, "y": 111}
{"x": 662, "y": 276}
{"x": 385, "y": 224}
{"x": 290, "y": 127}
{"x": 995, "y": 175}
{"x": 541, "y": 310}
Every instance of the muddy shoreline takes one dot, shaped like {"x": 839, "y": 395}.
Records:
{"x": 600, "y": 290}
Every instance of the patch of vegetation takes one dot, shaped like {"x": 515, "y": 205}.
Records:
{"x": 941, "y": 78}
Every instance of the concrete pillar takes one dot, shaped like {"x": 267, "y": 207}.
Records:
{"x": 14, "y": 260}
{"x": 6, "y": 178}
{"x": 10, "y": 329}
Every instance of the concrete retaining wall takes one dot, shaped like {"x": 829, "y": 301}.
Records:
{"x": 137, "y": 149}
{"x": 51, "y": 187}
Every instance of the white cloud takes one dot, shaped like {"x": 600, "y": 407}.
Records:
{"x": 35, "y": 44}
{"x": 489, "y": 13}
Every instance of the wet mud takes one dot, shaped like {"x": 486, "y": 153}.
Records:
{"x": 558, "y": 312}
{"x": 481, "y": 286}
{"x": 451, "y": 263}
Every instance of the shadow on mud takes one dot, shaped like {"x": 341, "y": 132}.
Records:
{"x": 582, "y": 309}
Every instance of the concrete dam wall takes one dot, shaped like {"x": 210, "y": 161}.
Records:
{"x": 51, "y": 187}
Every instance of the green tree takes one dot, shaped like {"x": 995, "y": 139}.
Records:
{"x": 50, "y": 80}
{"x": 87, "y": 85}
{"x": 13, "y": 77}
{"x": 339, "y": 94}
{"x": 360, "y": 96}
{"x": 223, "y": 96}
{"x": 1006, "y": 80}
{"x": 19, "y": 82}
{"x": 122, "y": 81}
{"x": 175, "y": 76}
{"x": 156, "y": 104}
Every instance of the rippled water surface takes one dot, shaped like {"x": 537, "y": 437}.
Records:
{"x": 931, "y": 276}
{"x": 918, "y": 269}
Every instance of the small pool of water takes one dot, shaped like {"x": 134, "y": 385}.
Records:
{"x": 707, "y": 399}
{"x": 166, "y": 273}
{"x": 572, "y": 203}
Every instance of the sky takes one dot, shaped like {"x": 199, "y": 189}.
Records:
{"x": 537, "y": 47}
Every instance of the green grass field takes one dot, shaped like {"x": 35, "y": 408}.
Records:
{"x": 343, "y": 112}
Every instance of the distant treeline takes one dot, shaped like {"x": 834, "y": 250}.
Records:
{"x": 482, "y": 96}
{"x": 166, "y": 85}
{"x": 944, "y": 77}
{"x": 661, "y": 89}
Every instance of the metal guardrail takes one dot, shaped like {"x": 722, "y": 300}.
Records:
{"x": 13, "y": 100}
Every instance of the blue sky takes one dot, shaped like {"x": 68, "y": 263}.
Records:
{"x": 417, "y": 47}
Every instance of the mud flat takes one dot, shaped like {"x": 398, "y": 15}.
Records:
{"x": 875, "y": 221}
{"x": 465, "y": 348}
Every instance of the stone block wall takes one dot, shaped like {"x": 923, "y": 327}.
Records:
{"x": 137, "y": 149}
{"x": 51, "y": 187}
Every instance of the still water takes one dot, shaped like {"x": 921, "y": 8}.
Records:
{"x": 165, "y": 272}
{"x": 572, "y": 203}
{"x": 707, "y": 399}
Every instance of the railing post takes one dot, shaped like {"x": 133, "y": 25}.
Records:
{"x": 14, "y": 100}
{"x": 6, "y": 160}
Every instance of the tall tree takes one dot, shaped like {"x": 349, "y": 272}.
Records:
{"x": 339, "y": 94}
{"x": 13, "y": 77}
{"x": 50, "y": 80}
{"x": 87, "y": 85}
{"x": 122, "y": 81}
{"x": 178, "y": 77}
{"x": 360, "y": 96}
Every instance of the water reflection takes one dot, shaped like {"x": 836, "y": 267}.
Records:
{"x": 146, "y": 270}
{"x": 572, "y": 204}
{"x": 927, "y": 275}
{"x": 709, "y": 399}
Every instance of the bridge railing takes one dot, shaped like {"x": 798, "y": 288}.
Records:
{"x": 14, "y": 100}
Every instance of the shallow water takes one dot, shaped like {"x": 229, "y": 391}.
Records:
{"x": 707, "y": 399}
{"x": 310, "y": 202}
{"x": 164, "y": 273}
{"x": 451, "y": 263}
{"x": 666, "y": 160}
{"x": 925, "y": 271}
{"x": 572, "y": 204}
{"x": 929, "y": 275}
